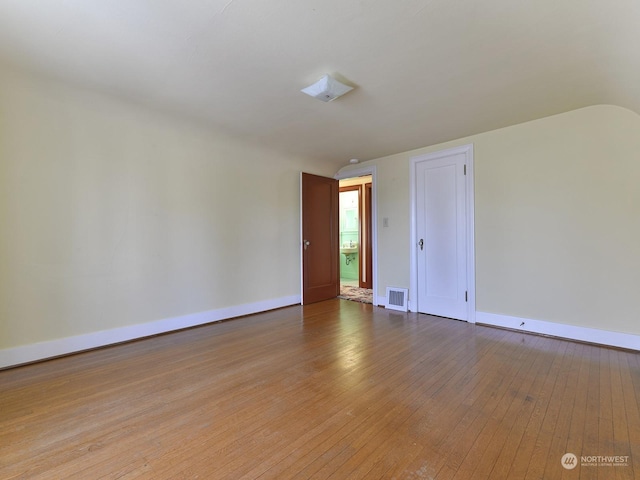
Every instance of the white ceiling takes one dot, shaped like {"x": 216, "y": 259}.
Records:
{"x": 426, "y": 71}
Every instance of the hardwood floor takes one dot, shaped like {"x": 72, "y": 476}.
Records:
{"x": 338, "y": 390}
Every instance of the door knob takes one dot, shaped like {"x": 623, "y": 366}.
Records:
{"x": 306, "y": 243}
{"x": 421, "y": 243}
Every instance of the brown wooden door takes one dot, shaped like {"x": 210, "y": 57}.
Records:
{"x": 366, "y": 260}
{"x": 320, "y": 238}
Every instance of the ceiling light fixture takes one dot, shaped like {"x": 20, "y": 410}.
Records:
{"x": 327, "y": 89}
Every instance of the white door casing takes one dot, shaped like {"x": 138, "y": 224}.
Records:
{"x": 442, "y": 235}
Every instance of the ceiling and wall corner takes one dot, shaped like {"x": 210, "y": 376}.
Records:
{"x": 425, "y": 72}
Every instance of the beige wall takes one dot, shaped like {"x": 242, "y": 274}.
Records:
{"x": 557, "y": 209}
{"x": 114, "y": 215}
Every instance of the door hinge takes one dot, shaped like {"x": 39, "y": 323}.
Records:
{"x": 465, "y": 169}
{"x": 466, "y": 296}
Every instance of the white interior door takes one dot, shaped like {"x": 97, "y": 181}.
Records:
{"x": 442, "y": 240}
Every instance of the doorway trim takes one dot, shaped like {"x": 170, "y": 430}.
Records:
{"x": 360, "y": 172}
{"x": 467, "y": 150}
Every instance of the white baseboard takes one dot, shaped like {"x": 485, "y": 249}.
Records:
{"x": 572, "y": 332}
{"x": 63, "y": 346}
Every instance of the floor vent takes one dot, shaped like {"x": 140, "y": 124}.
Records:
{"x": 397, "y": 298}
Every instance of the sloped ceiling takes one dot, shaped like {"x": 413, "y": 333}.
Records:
{"x": 425, "y": 71}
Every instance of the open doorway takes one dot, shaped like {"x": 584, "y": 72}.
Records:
{"x": 320, "y": 240}
{"x": 356, "y": 238}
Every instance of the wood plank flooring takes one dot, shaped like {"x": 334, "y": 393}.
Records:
{"x": 338, "y": 390}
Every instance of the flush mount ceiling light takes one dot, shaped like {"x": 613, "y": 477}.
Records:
{"x": 327, "y": 89}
